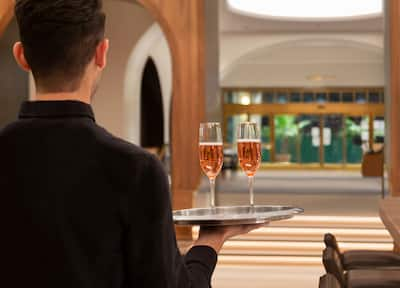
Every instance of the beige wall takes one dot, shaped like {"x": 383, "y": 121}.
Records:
{"x": 13, "y": 81}
{"x": 289, "y": 60}
{"x": 152, "y": 44}
{"x": 126, "y": 23}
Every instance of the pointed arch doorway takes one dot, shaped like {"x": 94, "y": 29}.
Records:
{"x": 151, "y": 108}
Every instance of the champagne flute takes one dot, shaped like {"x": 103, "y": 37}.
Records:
{"x": 249, "y": 152}
{"x": 211, "y": 154}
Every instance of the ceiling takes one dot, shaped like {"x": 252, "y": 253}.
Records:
{"x": 307, "y": 64}
{"x": 305, "y": 54}
{"x": 231, "y": 22}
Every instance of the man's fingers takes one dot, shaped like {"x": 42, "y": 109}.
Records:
{"x": 248, "y": 228}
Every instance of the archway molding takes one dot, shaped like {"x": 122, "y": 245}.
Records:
{"x": 152, "y": 44}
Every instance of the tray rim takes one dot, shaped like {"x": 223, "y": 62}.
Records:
{"x": 291, "y": 212}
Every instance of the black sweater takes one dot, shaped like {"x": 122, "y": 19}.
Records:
{"x": 84, "y": 209}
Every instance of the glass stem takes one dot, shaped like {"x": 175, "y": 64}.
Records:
{"x": 251, "y": 190}
{"x": 212, "y": 192}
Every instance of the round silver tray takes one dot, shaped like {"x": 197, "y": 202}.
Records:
{"x": 234, "y": 215}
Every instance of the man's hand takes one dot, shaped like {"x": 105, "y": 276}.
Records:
{"x": 215, "y": 237}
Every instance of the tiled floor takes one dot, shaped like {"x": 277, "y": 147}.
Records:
{"x": 318, "y": 192}
{"x": 338, "y": 193}
{"x": 267, "y": 277}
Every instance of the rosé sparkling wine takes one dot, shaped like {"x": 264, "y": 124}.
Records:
{"x": 249, "y": 152}
{"x": 211, "y": 158}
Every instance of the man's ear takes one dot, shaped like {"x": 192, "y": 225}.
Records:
{"x": 19, "y": 55}
{"x": 101, "y": 54}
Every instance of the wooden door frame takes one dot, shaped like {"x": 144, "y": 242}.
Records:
{"x": 182, "y": 22}
{"x": 270, "y": 110}
{"x": 6, "y": 14}
{"x": 393, "y": 12}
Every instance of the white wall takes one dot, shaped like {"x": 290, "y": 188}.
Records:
{"x": 126, "y": 23}
{"x": 211, "y": 53}
{"x": 263, "y": 60}
{"x": 152, "y": 44}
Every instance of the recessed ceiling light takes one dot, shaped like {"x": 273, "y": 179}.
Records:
{"x": 308, "y": 10}
{"x": 245, "y": 99}
{"x": 319, "y": 77}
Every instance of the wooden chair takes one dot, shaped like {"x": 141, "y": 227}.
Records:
{"x": 359, "y": 278}
{"x": 372, "y": 164}
{"x": 329, "y": 281}
{"x": 361, "y": 259}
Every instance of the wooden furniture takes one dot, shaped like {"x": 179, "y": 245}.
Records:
{"x": 389, "y": 211}
{"x": 372, "y": 164}
{"x": 329, "y": 281}
{"x": 359, "y": 278}
{"x": 6, "y": 14}
{"x": 363, "y": 259}
{"x": 393, "y": 115}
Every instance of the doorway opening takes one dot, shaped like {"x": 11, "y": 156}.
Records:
{"x": 151, "y": 108}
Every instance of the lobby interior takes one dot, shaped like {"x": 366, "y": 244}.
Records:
{"x": 323, "y": 89}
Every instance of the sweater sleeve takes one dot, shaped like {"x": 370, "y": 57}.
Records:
{"x": 152, "y": 256}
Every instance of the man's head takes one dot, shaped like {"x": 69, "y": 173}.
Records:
{"x": 62, "y": 43}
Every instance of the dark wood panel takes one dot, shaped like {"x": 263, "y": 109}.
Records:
{"x": 6, "y": 14}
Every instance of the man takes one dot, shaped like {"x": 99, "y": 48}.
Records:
{"x": 81, "y": 207}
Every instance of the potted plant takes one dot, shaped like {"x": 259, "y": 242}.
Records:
{"x": 286, "y": 128}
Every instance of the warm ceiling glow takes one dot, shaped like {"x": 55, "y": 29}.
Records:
{"x": 308, "y": 9}
{"x": 245, "y": 99}
{"x": 319, "y": 77}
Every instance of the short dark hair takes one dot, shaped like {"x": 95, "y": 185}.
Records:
{"x": 59, "y": 39}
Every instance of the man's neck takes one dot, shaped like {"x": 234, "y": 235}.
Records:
{"x": 75, "y": 96}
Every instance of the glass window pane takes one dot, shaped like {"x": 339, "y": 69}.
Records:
{"x": 379, "y": 133}
{"x": 308, "y": 97}
{"x": 357, "y": 136}
{"x": 256, "y": 98}
{"x": 263, "y": 122}
{"x": 234, "y": 97}
{"x": 361, "y": 97}
{"x": 334, "y": 97}
{"x": 286, "y": 137}
{"x": 333, "y": 139}
{"x": 321, "y": 97}
{"x": 268, "y": 97}
{"x": 309, "y": 127}
{"x": 282, "y": 97}
{"x": 347, "y": 97}
{"x": 228, "y": 97}
{"x": 232, "y": 123}
{"x": 374, "y": 97}
{"x": 295, "y": 97}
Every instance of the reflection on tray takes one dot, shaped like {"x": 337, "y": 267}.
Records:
{"x": 234, "y": 215}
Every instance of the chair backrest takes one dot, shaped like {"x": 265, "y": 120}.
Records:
{"x": 329, "y": 281}
{"x": 333, "y": 265}
{"x": 330, "y": 241}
